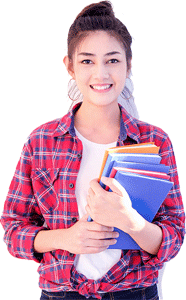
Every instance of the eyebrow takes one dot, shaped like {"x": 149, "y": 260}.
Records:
{"x": 91, "y": 54}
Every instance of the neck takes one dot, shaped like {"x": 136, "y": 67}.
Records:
{"x": 92, "y": 116}
{"x": 98, "y": 123}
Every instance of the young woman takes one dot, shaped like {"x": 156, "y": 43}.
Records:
{"x": 55, "y": 189}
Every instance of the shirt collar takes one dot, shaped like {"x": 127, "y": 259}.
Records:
{"x": 128, "y": 125}
{"x": 66, "y": 124}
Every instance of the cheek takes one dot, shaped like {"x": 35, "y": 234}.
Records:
{"x": 122, "y": 75}
{"x": 80, "y": 73}
{"x": 82, "y": 80}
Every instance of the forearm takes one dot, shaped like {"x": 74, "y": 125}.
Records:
{"x": 149, "y": 238}
{"x": 48, "y": 240}
{"x": 83, "y": 237}
{"x": 147, "y": 235}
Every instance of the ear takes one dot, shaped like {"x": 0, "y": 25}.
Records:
{"x": 69, "y": 65}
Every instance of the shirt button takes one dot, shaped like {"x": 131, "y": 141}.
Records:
{"x": 71, "y": 185}
{"x": 71, "y": 254}
{"x": 74, "y": 220}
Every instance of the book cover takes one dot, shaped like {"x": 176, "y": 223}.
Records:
{"x": 160, "y": 175}
{"x": 142, "y": 166}
{"x": 137, "y": 168}
{"x": 146, "y": 194}
{"x": 135, "y": 148}
{"x": 128, "y": 157}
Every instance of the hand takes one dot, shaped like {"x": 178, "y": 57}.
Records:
{"x": 88, "y": 237}
{"x": 111, "y": 208}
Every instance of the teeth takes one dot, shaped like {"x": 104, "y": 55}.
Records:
{"x": 99, "y": 87}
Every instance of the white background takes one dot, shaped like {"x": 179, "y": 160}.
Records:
{"x": 33, "y": 90}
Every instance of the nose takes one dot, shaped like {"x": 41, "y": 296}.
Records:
{"x": 101, "y": 71}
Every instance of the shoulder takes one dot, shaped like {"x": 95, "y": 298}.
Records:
{"x": 150, "y": 131}
{"x": 45, "y": 136}
{"x": 46, "y": 129}
{"x": 41, "y": 137}
{"x": 143, "y": 132}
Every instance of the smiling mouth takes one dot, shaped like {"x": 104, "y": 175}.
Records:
{"x": 101, "y": 87}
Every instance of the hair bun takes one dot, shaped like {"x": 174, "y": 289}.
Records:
{"x": 103, "y": 8}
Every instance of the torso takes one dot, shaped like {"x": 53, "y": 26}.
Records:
{"x": 93, "y": 266}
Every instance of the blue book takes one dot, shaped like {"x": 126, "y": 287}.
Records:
{"x": 125, "y": 157}
{"x": 142, "y": 166}
{"x": 147, "y": 194}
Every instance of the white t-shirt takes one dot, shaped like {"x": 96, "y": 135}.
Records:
{"x": 93, "y": 266}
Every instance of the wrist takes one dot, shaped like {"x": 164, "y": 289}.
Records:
{"x": 60, "y": 239}
{"x": 55, "y": 239}
{"x": 147, "y": 235}
{"x": 50, "y": 240}
{"x": 135, "y": 222}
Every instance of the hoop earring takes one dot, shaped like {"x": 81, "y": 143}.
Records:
{"x": 126, "y": 94}
{"x": 73, "y": 91}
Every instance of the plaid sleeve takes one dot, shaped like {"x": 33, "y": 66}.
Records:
{"x": 171, "y": 216}
{"x": 21, "y": 217}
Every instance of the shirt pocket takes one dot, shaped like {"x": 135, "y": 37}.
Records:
{"x": 45, "y": 187}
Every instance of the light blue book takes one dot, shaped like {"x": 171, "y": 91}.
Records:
{"x": 125, "y": 157}
{"x": 142, "y": 166}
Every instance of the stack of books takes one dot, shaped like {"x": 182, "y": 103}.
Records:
{"x": 137, "y": 168}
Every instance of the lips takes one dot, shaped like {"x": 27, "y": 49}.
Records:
{"x": 101, "y": 87}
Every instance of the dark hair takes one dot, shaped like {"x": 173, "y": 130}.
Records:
{"x": 99, "y": 16}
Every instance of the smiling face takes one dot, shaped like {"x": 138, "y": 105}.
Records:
{"x": 99, "y": 68}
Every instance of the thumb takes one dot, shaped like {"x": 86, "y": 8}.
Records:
{"x": 114, "y": 185}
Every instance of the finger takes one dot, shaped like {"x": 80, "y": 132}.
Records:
{"x": 98, "y": 227}
{"x": 88, "y": 210}
{"x": 96, "y": 187}
{"x": 93, "y": 250}
{"x": 114, "y": 185}
{"x": 88, "y": 200}
{"x": 101, "y": 243}
{"x": 91, "y": 192}
{"x": 91, "y": 203}
{"x": 88, "y": 206}
{"x": 102, "y": 235}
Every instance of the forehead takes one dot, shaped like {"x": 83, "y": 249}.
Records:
{"x": 99, "y": 42}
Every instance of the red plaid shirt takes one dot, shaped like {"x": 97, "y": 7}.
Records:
{"x": 43, "y": 191}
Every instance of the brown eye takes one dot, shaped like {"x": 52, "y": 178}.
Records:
{"x": 86, "y": 62}
{"x": 113, "y": 61}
